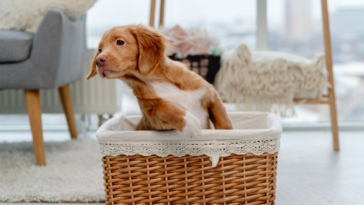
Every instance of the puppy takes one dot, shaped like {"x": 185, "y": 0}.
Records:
{"x": 170, "y": 96}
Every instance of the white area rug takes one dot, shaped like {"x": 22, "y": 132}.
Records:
{"x": 73, "y": 172}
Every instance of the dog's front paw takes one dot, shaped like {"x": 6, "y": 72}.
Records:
{"x": 192, "y": 127}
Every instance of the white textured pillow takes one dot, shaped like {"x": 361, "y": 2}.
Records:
{"x": 26, "y": 15}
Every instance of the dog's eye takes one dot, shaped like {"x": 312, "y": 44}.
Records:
{"x": 100, "y": 50}
{"x": 120, "y": 42}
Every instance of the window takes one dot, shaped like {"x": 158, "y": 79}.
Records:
{"x": 106, "y": 14}
{"x": 295, "y": 26}
{"x": 232, "y": 21}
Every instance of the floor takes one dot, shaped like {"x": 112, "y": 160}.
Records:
{"x": 309, "y": 171}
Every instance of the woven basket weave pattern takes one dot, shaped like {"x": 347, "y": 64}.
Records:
{"x": 237, "y": 179}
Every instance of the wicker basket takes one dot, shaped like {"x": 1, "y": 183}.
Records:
{"x": 141, "y": 179}
{"x": 205, "y": 65}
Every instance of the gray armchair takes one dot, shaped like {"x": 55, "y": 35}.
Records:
{"x": 52, "y": 58}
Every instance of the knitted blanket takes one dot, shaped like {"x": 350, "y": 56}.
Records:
{"x": 26, "y": 15}
{"x": 270, "y": 81}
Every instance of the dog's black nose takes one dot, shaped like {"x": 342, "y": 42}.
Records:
{"x": 100, "y": 60}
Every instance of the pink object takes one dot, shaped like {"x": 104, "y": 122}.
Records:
{"x": 193, "y": 42}
{"x": 178, "y": 33}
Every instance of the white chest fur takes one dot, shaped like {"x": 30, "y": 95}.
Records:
{"x": 186, "y": 100}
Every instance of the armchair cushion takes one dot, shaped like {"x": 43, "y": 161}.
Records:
{"x": 56, "y": 57}
{"x": 15, "y": 45}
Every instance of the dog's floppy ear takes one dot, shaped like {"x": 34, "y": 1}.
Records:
{"x": 93, "y": 71}
{"x": 152, "y": 46}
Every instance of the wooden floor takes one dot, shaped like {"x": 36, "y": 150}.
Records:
{"x": 309, "y": 171}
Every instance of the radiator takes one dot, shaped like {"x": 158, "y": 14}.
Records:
{"x": 95, "y": 96}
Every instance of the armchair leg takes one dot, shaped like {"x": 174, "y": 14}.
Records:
{"x": 35, "y": 112}
{"x": 65, "y": 93}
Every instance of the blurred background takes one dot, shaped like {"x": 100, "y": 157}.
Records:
{"x": 294, "y": 26}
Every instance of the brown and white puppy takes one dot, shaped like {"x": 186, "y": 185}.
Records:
{"x": 170, "y": 96}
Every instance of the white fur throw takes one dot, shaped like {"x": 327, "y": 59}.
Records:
{"x": 269, "y": 81}
{"x": 73, "y": 173}
{"x": 26, "y": 15}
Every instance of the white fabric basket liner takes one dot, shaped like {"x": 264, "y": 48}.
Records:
{"x": 254, "y": 132}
